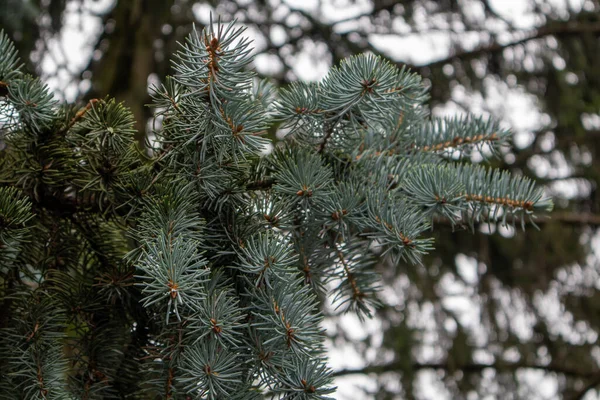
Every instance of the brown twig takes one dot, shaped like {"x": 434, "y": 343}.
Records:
{"x": 469, "y": 368}
{"x": 554, "y": 28}
{"x": 3, "y": 88}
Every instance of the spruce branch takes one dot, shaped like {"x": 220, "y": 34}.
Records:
{"x": 300, "y": 175}
{"x": 211, "y": 372}
{"x": 464, "y": 134}
{"x": 494, "y": 194}
{"x": 306, "y": 379}
{"x": 267, "y": 257}
{"x": 80, "y": 114}
{"x": 358, "y": 283}
{"x": 214, "y": 62}
{"x": 288, "y": 314}
{"x": 33, "y": 103}
{"x": 10, "y": 67}
{"x": 174, "y": 273}
{"x": 15, "y": 213}
{"x": 215, "y": 290}
{"x": 219, "y": 317}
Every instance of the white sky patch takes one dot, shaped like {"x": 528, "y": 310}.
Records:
{"x": 202, "y": 12}
{"x": 590, "y": 121}
{"x": 546, "y": 387}
{"x": 467, "y": 268}
{"x": 429, "y": 387}
{"x": 413, "y": 49}
{"x": 344, "y": 356}
{"x": 309, "y": 68}
{"x": 355, "y": 387}
{"x": 333, "y": 12}
{"x": 277, "y": 35}
{"x": 73, "y": 46}
{"x": 560, "y": 322}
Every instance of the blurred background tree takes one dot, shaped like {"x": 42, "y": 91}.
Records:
{"x": 485, "y": 317}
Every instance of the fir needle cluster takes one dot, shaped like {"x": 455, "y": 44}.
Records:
{"x": 202, "y": 270}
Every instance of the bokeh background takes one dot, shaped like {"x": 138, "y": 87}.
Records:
{"x": 499, "y": 314}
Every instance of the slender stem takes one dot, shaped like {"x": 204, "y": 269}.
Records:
{"x": 3, "y": 88}
{"x": 261, "y": 185}
{"x": 591, "y": 385}
{"x": 328, "y": 133}
{"x": 471, "y": 368}
{"x": 557, "y": 29}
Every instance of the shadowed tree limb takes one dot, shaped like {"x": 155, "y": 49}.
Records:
{"x": 574, "y": 218}
{"x": 469, "y": 368}
{"x": 554, "y": 28}
{"x": 593, "y": 384}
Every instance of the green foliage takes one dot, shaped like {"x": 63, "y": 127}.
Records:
{"x": 32, "y": 101}
{"x": 34, "y": 364}
{"x": 204, "y": 269}
{"x": 9, "y": 64}
{"x": 176, "y": 264}
{"x": 15, "y": 212}
{"x": 461, "y": 134}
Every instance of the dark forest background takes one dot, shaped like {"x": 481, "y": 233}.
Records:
{"x": 498, "y": 314}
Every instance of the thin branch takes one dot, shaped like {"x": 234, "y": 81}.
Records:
{"x": 3, "y": 88}
{"x": 328, "y": 133}
{"x": 581, "y": 394}
{"x": 261, "y": 185}
{"x": 574, "y": 218}
{"x": 80, "y": 114}
{"x": 469, "y": 368}
{"x": 566, "y": 28}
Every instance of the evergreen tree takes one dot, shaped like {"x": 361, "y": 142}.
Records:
{"x": 200, "y": 266}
